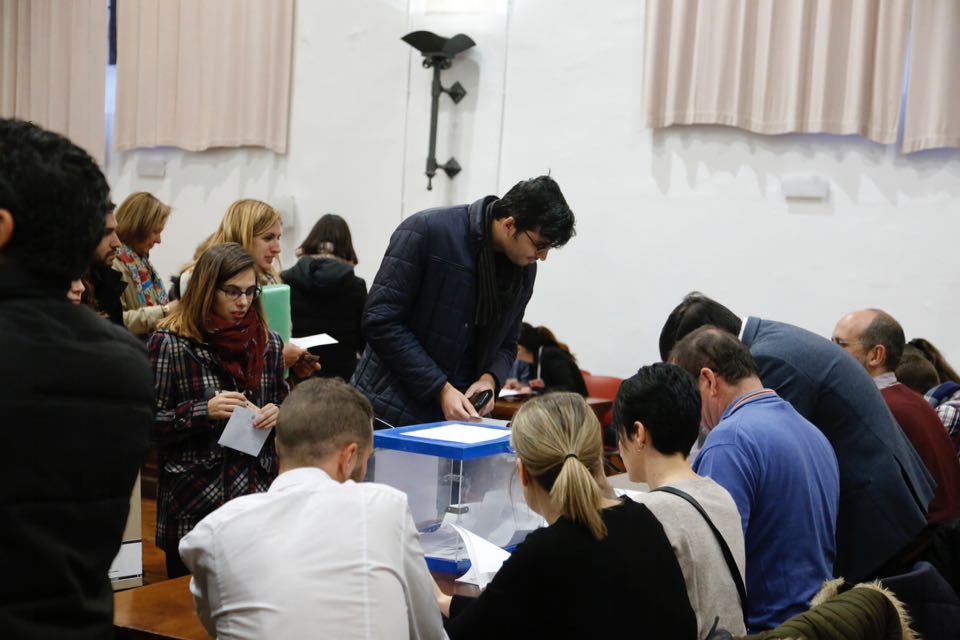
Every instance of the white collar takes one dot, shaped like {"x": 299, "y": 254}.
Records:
{"x": 885, "y": 380}
{"x": 301, "y": 477}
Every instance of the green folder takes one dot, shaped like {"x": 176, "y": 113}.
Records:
{"x": 276, "y": 307}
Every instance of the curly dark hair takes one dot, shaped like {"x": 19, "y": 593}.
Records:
{"x": 58, "y": 198}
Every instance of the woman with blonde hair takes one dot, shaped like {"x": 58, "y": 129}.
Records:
{"x": 141, "y": 219}
{"x": 599, "y": 562}
{"x": 256, "y": 226}
{"x": 214, "y": 354}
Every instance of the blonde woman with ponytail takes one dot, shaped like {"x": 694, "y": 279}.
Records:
{"x": 600, "y": 562}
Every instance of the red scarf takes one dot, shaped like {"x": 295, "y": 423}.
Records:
{"x": 239, "y": 347}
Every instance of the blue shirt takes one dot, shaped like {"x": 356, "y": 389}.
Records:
{"x": 782, "y": 473}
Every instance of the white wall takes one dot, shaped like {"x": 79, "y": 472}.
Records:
{"x": 557, "y": 86}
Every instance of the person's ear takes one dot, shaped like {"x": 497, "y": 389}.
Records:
{"x": 6, "y": 227}
{"x": 347, "y": 459}
{"x": 523, "y": 473}
{"x": 510, "y": 224}
{"x": 642, "y": 435}
{"x": 709, "y": 385}
{"x": 877, "y": 356}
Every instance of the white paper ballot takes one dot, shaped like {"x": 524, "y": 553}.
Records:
{"x": 241, "y": 435}
{"x": 462, "y": 433}
{"x": 317, "y": 340}
{"x": 485, "y": 558}
{"x": 509, "y": 393}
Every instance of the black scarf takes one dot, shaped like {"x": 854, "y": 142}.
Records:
{"x": 498, "y": 282}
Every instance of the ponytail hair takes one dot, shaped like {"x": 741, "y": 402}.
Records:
{"x": 557, "y": 436}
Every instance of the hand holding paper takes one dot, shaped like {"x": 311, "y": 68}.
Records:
{"x": 241, "y": 434}
{"x": 222, "y": 404}
{"x": 267, "y": 417}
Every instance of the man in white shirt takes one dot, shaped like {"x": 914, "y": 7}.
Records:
{"x": 319, "y": 554}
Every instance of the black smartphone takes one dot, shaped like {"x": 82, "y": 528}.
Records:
{"x": 481, "y": 399}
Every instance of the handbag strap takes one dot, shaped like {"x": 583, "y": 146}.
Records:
{"x": 727, "y": 554}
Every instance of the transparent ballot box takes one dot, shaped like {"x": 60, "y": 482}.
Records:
{"x": 455, "y": 474}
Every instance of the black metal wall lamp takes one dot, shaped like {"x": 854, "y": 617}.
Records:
{"x": 438, "y": 53}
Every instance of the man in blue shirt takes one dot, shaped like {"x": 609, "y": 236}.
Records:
{"x": 779, "y": 468}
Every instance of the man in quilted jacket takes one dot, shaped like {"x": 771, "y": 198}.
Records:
{"x": 444, "y": 312}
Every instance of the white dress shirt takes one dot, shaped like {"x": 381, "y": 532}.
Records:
{"x": 312, "y": 558}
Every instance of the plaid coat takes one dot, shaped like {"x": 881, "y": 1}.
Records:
{"x": 197, "y": 475}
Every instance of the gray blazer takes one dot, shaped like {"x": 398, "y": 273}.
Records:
{"x": 884, "y": 487}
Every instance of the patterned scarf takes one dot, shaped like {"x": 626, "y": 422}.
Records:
{"x": 239, "y": 347}
{"x": 146, "y": 283}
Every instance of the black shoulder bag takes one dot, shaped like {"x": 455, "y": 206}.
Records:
{"x": 727, "y": 555}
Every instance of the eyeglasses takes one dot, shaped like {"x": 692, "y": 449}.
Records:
{"x": 541, "y": 247}
{"x": 233, "y": 293}
{"x": 840, "y": 342}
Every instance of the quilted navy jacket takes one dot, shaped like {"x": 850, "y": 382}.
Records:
{"x": 420, "y": 315}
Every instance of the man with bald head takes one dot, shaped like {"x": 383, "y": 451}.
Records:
{"x": 884, "y": 486}
{"x": 876, "y": 341}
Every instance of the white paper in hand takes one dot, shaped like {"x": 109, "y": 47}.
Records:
{"x": 317, "y": 340}
{"x": 241, "y": 435}
{"x": 485, "y": 558}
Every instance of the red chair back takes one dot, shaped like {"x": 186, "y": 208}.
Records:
{"x": 605, "y": 387}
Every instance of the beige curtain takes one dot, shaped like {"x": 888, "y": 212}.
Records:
{"x": 198, "y": 74}
{"x": 53, "y": 63}
{"x": 933, "y": 87}
{"x": 776, "y": 66}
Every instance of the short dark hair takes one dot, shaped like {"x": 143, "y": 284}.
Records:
{"x": 330, "y": 234}
{"x": 532, "y": 338}
{"x": 916, "y": 372}
{"x": 666, "y": 400}
{"x": 538, "y": 205}
{"x": 58, "y": 197}
{"x": 884, "y": 330}
{"x": 695, "y": 311}
{"x": 717, "y": 350}
{"x": 319, "y": 417}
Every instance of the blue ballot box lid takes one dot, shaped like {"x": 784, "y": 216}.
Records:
{"x": 458, "y": 447}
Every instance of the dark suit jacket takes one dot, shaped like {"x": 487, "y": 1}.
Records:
{"x": 884, "y": 487}
{"x": 77, "y": 404}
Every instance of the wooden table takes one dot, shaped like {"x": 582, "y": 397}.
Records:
{"x": 165, "y": 610}
{"x": 161, "y": 610}
{"x": 505, "y": 409}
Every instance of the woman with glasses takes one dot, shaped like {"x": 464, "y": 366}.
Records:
{"x": 212, "y": 355}
{"x": 601, "y": 567}
{"x": 256, "y": 226}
